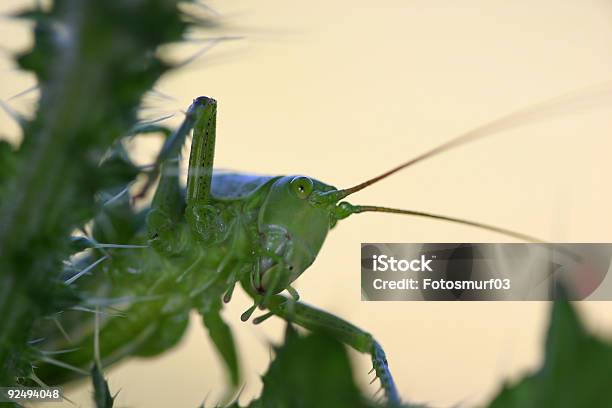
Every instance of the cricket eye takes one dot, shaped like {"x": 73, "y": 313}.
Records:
{"x": 301, "y": 186}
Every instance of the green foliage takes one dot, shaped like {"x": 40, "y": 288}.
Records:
{"x": 221, "y": 336}
{"x": 314, "y": 370}
{"x": 310, "y": 371}
{"x": 94, "y": 60}
{"x": 324, "y": 379}
{"x": 577, "y": 369}
{"x": 7, "y": 162}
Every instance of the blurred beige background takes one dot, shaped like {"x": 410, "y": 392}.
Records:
{"x": 343, "y": 90}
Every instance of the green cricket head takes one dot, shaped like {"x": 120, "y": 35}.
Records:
{"x": 299, "y": 212}
{"x": 291, "y": 230}
{"x": 294, "y": 220}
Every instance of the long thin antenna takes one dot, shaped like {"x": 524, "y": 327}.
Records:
{"x": 524, "y": 237}
{"x": 504, "y": 231}
{"x": 567, "y": 103}
{"x": 97, "y": 338}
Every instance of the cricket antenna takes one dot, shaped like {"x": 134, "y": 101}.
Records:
{"x": 345, "y": 209}
{"x": 582, "y": 99}
{"x": 356, "y": 209}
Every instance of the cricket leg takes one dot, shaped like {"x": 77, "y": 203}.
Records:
{"x": 203, "y": 217}
{"x": 202, "y": 152}
{"x": 171, "y": 149}
{"x": 206, "y": 221}
{"x": 168, "y": 206}
{"x": 317, "y": 320}
{"x": 164, "y": 217}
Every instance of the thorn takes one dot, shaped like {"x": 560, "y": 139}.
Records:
{"x": 146, "y": 166}
{"x": 56, "y": 352}
{"x": 58, "y": 363}
{"x": 21, "y": 120}
{"x": 69, "y": 400}
{"x": 207, "y": 8}
{"x": 93, "y": 240}
{"x": 119, "y": 194}
{"x": 89, "y": 310}
{"x": 144, "y": 123}
{"x": 373, "y": 369}
{"x": 201, "y": 22}
{"x": 37, "y": 380}
{"x": 186, "y": 271}
{"x": 97, "y": 338}
{"x": 211, "y": 44}
{"x": 205, "y": 399}
{"x": 40, "y": 382}
{"x": 120, "y": 246}
{"x": 151, "y": 177}
{"x": 200, "y": 289}
{"x": 373, "y": 379}
{"x": 24, "y": 92}
{"x": 147, "y": 130}
{"x": 61, "y": 329}
{"x": 247, "y": 314}
{"x": 235, "y": 400}
{"x": 214, "y": 39}
{"x": 121, "y": 300}
{"x": 84, "y": 271}
{"x": 162, "y": 95}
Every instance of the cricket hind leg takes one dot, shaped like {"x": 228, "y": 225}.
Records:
{"x": 170, "y": 206}
{"x": 196, "y": 207}
{"x": 314, "y": 319}
{"x": 204, "y": 218}
{"x": 164, "y": 217}
{"x": 171, "y": 149}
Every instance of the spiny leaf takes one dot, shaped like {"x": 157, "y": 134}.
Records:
{"x": 577, "y": 369}
{"x": 223, "y": 340}
{"x": 310, "y": 371}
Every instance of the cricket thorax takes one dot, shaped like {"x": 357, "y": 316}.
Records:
{"x": 209, "y": 223}
{"x": 221, "y": 223}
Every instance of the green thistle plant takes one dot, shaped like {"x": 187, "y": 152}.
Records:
{"x": 94, "y": 60}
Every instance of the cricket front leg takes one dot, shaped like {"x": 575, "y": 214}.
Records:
{"x": 317, "y": 320}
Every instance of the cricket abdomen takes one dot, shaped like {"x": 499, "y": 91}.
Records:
{"x": 141, "y": 330}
